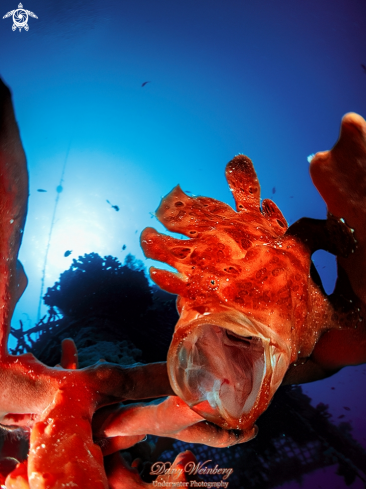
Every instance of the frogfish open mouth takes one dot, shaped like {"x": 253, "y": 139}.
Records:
{"x": 225, "y": 364}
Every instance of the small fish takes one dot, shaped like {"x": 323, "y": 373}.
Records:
{"x": 115, "y": 207}
{"x": 41, "y": 190}
{"x": 145, "y": 83}
{"x": 364, "y": 68}
{"x": 346, "y": 408}
{"x": 274, "y": 190}
{"x": 67, "y": 253}
{"x": 341, "y": 416}
{"x": 123, "y": 247}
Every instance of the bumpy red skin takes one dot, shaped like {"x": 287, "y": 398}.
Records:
{"x": 246, "y": 262}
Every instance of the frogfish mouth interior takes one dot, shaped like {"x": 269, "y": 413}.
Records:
{"x": 224, "y": 365}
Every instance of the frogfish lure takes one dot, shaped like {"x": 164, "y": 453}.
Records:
{"x": 251, "y": 308}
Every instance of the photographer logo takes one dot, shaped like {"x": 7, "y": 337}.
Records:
{"x": 20, "y": 18}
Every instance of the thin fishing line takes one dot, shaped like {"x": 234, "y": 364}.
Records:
{"x": 59, "y": 189}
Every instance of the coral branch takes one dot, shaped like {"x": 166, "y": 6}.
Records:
{"x": 339, "y": 175}
{"x": 13, "y": 208}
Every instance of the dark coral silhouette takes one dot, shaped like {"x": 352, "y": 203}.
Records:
{"x": 103, "y": 287}
{"x": 99, "y": 299}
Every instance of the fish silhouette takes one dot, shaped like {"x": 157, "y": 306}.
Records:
{"x": 115, "y": 207}
{"x": 41, "y": 190}
{"x": 67, "y": 253}
{"x": 145, "y": 83}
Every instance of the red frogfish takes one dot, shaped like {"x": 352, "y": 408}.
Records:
{"x": 252, "y": 308}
